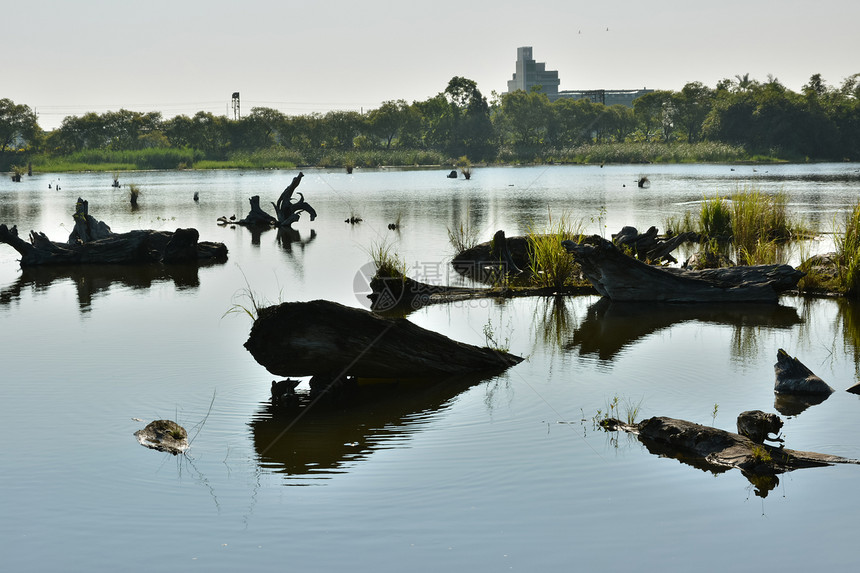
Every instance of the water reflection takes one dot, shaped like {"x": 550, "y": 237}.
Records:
{"x": 849, "y": 318}
{"x": 90, "y": 280}
{"x": 762, "y": 483}
{"x": 320, "y": 437}
{"x": 289, "y": 238}
{"x": 610, "y": 326}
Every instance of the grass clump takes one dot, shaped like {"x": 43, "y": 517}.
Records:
{"x": 133, "y": 193}
{"x": 678, "y": 224}
{"x": 848, "y": 253}
{"x": 760, "y": 454}
{"x": 759, "y": 218}
{"x": 715, "y": 218}
{"x": 626, "y": 412}
{"x": 549, "y": 263}
{"x": 388, "y": 263}
{"x": 464, "y": 235}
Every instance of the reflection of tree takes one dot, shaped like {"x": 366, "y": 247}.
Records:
{"x": 89, "y": 280}
{"x": 314, "y": 437}
{"x": 610, "y": 326}
{"x": 288, "y": 237}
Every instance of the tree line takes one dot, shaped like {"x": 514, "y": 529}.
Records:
{"x": 760, "y": 118}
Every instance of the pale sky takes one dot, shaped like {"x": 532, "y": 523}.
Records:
{"x": 69, "y": 57}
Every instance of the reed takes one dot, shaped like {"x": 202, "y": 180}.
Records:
{"x": 848, "y": 252}
{"x": 648, "y": 152}
{"x": 119, "y": 160}
{"x": 715, "y": 218}
{"x": 388, "y": 263}
{"x": 677, "y": 224}
{"x": 550, "y": 264}
{"x": 464, "y": 235}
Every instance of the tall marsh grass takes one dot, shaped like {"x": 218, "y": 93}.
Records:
{"x": 848, "y": 252}
{"x": 464, "y": 235}
{"x": 388, "y": 263}
{"x": 757, "y": 224}
{"x": 651, "y": 152}
{"x": 110, "y": 160}
{"x": 550, "y": 264}
{"x": 715, "y": 218}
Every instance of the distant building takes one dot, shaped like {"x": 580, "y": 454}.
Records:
{"x": 530, "y": 73}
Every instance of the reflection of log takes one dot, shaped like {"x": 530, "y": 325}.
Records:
{"x": 328, "y": 339}
{"x": 298, "y": 439}
{"x": 89, "y": 280}
{"x": 624, "y": 278}
{"x": 712, "y": 448}
{"x": 92, "y": 242}
{"x": 609, "y": 326}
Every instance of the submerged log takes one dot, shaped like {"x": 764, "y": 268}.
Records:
{"x": 713, "y": 449}
{"x": 322, "y": 338}
{"x": 92, "y": 242}
{"x": 623, "y": 278}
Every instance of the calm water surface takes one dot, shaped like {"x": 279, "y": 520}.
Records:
{"x": 506, "y": 473}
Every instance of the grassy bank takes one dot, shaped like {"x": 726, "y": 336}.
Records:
{"x": 282, "y": 158}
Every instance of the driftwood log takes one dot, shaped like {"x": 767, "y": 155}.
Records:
{"x": 624, "y": 278}
{"x": 287, "y": 212}
{"x": 329, "y": 340}
{"x": 716, "y": 450}
{"x": 92, "y": 242}
{"x": 649, "y": 246}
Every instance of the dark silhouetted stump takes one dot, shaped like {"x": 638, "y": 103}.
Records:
{"x": 623, "y": 278}
{"x": 325, "y": 338}
{"x": 92, "y": 242}
{"x": 757, "y": 426}
{"x": 793, "y": 377}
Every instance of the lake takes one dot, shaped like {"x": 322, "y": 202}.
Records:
{"x": 505, "y": 473}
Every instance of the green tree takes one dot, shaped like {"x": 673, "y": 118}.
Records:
{"x": 260, "y": 129}
{"x": 471, "y": 131}
{"x": 19, "y": 131}
{"x": 204, "y": 131}
{"x": 342, "y": 127}
{"x": 387, "y": 120}
{"x": 524, "y": 120}
{"x": 649, "y": 109}
{"x": 573, "y": 123}
{"x": 692, "y": 105}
